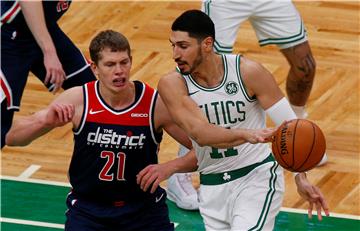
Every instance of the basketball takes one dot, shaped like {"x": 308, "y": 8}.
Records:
{"x": 298, "y": 145}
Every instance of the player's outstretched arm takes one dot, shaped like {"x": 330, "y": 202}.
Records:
{"x": 189, "y": 117}
{"x": 26, "y": 129}
{"x": 312, "y": 194}
{"x": 34, "y": 16}
{"x": 154, "y": 174}
{"x": 60, "y": 112}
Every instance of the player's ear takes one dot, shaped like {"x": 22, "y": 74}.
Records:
{"x": 208, "y": 43}
{"x": 94, "y": 68}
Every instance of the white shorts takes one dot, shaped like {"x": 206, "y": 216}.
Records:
{"x": 274, "y": 22}
{"x": 249, "y": 202}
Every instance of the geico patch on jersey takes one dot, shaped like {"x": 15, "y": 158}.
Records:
{"x": 139, "y": 115}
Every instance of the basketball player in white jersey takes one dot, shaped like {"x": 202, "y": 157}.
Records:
{"x": 241, "y": 186}
{"x": 275, "y": 22}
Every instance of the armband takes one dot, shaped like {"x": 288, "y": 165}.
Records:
{"x": 281, "y": 111}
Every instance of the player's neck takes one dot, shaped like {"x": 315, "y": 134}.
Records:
{"x": 210, "y": 72}
{"x": 119, "y": 99}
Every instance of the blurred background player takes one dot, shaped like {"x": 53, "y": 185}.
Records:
{"x": 275, "y": 22}
{"x": 31, "y": 40}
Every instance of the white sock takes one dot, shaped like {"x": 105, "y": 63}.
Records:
{"x": 300, "y": 111}
{"x": 182, "y": 150}
{"x": 302, "y": 114}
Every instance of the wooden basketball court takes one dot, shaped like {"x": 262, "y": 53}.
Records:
{"x": 333, "y": 30}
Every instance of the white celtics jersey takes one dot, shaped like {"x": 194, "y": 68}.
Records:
{"x": 228, "y": 105}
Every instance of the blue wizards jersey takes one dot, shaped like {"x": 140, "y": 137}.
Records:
{"x": 113, "y": 146}
{"x": 13, "y": 19}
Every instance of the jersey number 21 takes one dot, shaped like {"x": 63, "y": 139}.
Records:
{"x": 110, "y": 156}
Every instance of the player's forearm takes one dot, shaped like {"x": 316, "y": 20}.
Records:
{"x": 186, "y": 163}
{"x": 25, "y": 130}
{"x": 34, "y": 15}
{"x": 187, "y": 115}
{"x": 218, "y": 137}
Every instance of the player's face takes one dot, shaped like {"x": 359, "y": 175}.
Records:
{"x": 186, "y": 52}
{"x": 113, "y": 69}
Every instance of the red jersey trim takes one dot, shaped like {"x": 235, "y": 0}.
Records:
{"x": 11, "y": 13}
{"x": 138, "y": 114}
{"x": 85, "y": 111}
{"x": 101, "y": 101}
{"x": 5, "y": 87}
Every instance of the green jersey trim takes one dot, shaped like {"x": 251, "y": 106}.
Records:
{"x": 222, "y": 49}
{"x": 217, "y": 87}
{"x": 242, "y": 84}
{"x": 301, "y": 35}
{"x": 225, "y": 177}
{"x": 269, "y": 197}
{"x": 218, "y": 48}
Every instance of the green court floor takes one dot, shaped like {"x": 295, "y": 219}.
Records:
{"x": 31, "y": 206}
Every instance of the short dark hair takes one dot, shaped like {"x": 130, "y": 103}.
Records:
{"x": 108, "y": 38}
{"x": 198, "y": 24}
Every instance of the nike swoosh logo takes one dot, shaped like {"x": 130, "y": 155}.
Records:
{"x": 157, "y": 199}
{"x": 91, "y": 112}
{"x": 73, "y": 202}
{"x": 191, "y": 93}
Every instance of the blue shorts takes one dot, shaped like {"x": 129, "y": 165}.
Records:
{"x": 20, "y": 54}
{"x": 150, "y": 215}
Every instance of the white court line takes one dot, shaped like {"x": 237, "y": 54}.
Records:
{"x": 57, "y": 183}
{"x": 37, "y": 181}
{"x": 34, "y": 223}
{"x": 29, "y": 171}
{"x": 39, "y": 223}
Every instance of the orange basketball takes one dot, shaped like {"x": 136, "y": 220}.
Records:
{"x": 298, "y": 145}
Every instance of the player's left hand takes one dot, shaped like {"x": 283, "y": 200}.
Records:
{"x": 312, "y": 194}
{"x": 58, "y": 114}
{"x": 152, "y": 175}
{"x": 54, "y": 71}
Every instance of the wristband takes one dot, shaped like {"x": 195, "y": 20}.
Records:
{"x": 281, "y": 111}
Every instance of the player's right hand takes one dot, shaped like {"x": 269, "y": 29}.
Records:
{"x": 59, "y": 114}
{"x": 152, "y": 175}
{"x": 54, "y": 71}
{"x": 313, "y": 195}
{"x": 255, "y": 136}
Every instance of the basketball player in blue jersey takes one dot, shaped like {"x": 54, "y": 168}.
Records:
{"x": 31, "y": 40}
{"x": 241, "y": 186}
{"x": 117, "y": 125}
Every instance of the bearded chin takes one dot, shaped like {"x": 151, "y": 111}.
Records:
{"x": 197, "y": 62}
{"x": 185, "y": 72}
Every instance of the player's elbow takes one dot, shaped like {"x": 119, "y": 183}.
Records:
{"x": 200, "y": 141}
{"x": 11, "y": 140}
